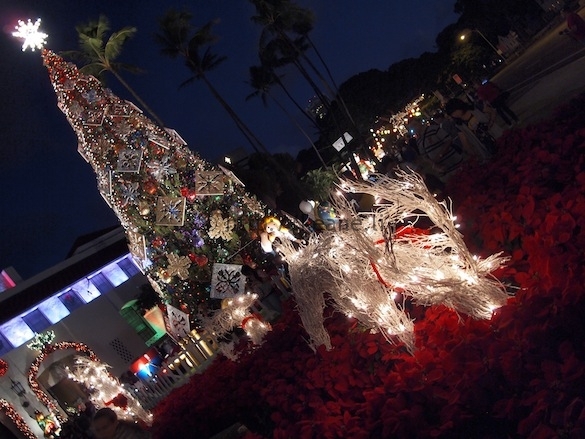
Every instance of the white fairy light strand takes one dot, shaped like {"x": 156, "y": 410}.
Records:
{"x": 104, "y": 387}
{"x": 234, "y": 312}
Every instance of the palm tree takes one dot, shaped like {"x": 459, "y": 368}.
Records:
{"x": 98, "y": 56}
{"x": 261, "y": 79}
{"x": 178, "y": 38}
{"x": 284, "y": 39}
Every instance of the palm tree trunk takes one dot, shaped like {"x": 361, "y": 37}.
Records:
{"x": 298, "y": 126}
{"x": 248, "y": 134}
{"x": 301, "y": 109}
{"x": 137, "y": 98}
{"x": 335, "y": 88}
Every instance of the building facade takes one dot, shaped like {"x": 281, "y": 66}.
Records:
{"x": 89, "y": 303}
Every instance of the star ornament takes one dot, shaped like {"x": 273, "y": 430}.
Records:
{"x": 30, "y": 33}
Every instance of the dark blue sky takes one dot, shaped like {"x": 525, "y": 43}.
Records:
{"x": 48, "y": 192}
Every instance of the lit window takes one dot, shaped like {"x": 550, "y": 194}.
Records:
{"x": 53, "y": 309}
{"x": 17, "y": 332}
{"x": 114, "y": 274}
{"x": 100, "y": 282}
{"x": 88, "y": 289}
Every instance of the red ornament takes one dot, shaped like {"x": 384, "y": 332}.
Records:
{"x": 3, "y": 367}
{"x": 189, "y": 194}
{"x": 150, "y": 186}
{"x": 200, "y": 260}
{"x": 158, "y": 242}
{"x": 157, "y": 149}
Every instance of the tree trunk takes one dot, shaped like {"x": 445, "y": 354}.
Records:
{"x": 293, "y": 120}
{"x": 137, "y": 98}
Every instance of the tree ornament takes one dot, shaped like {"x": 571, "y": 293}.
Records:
{"x": 220, "y": 227}
{"x": 270, "y": 230}
{"x": 3, "y": 367}
{"x": 158, "y": 242}
{"x": 209, "y": 182}
{"x": 150, "y": 186}
{"x": 165, "y": 276}
{"x": 200, "y": 260}
{"x": 143, "y": 207}
{"x": 178, "y": 266}
{"x": 161, "y": 169}
{"x": 227, "y": 281}
{"x": 129, "y": 160}
{"x": 189, "y": 194}
{"x": 170, "y": 211}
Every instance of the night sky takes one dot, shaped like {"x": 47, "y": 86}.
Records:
{"x": 48, "y": 192}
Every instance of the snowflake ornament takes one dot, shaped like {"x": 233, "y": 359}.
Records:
{"x": 161, "y": 169}
{"x": 129, "y": 191}
{"x": 179, "y": 266}
{"x": 30, "y": 33}
{"x": 170, "y": 211}
{"x": 220, "y": 227}
{"x": 129, "y": 160}
{"x": 227, "y": 281}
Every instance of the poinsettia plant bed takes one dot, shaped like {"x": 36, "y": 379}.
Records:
{"x": 519, "y": 374}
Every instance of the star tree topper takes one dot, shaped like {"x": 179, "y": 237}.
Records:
{"x": 30, "y": 33}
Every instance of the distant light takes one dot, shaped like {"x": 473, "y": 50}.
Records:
{"x": 227, "y": 160}
{"x": 30, "y": 33}
{"x": 462, "y": 37}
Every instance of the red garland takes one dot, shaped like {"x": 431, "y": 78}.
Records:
{"x": 249, "y": 318}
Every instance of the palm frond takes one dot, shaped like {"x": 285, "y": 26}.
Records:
{"x": 191, "y": 80}
{"x": 175, "y": 28}
{"x": 116, "y": 41}
{"x": 94, "y": 69}
{"x": 127, "y": 67}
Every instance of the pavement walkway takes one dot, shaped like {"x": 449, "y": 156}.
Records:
{"x": 541, "y": 97}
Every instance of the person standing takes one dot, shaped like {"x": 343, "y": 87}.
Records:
{"x": 490, "y": 93}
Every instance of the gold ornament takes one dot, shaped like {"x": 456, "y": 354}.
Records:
{"x": 165, "y": 276}
{"x": 178, "y": 265}
{"x": 143, "y": 207}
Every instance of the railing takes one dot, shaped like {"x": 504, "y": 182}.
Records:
{"x": 196, "y": 354}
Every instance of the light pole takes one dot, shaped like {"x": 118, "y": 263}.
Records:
{"x": 463, "y": 36}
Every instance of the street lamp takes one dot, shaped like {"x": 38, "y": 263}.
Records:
{"x": 464, "y": 35}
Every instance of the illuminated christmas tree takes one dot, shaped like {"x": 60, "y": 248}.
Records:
{"x": 190, "y": 225}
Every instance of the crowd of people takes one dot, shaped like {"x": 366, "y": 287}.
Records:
{"x": 462, "y": 130}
